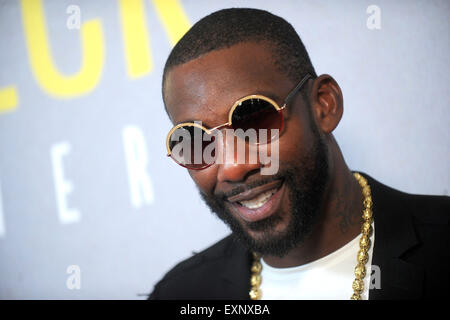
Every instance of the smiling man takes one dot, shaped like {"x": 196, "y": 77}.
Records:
{"x": 307, "y": 230}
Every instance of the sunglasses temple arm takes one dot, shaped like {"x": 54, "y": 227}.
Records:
{"x": 297, "y": 87}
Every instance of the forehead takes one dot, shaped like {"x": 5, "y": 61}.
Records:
{"x": 205, "y": 88}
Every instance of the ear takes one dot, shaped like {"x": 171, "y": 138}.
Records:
{"x": 326, "y": 102}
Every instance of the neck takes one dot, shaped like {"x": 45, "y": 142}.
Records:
{"x": 339, "y": 221}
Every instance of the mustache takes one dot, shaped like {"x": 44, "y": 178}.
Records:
{"x": 242, "y": 187}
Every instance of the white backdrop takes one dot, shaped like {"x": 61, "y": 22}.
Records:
{"x": 91, "y": 207}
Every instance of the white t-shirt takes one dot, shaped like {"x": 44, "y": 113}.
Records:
{"x": 328, "y": 278}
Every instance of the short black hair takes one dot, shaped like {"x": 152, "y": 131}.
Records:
{"x": 227, "y": 27}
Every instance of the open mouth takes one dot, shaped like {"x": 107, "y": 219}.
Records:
{"x": 258, "y": 203}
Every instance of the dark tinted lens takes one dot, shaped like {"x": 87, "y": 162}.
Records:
{"x": 256, "y": 114}
{"x": 192, "y": 147}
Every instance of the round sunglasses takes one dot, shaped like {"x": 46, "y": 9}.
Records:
{"x": 192, "y": 145}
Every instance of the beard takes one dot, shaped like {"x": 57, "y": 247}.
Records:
{"x": 306, "y": 180}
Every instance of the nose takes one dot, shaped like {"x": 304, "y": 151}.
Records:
{"x": 235, "y": 167}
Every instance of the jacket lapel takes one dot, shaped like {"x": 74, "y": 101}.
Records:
{"x": 394, "y": 236}
{"x": 235, "y": 277}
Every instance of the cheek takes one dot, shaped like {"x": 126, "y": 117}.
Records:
{"x": 205, "y": 179}
{"x": 295, "y": 140}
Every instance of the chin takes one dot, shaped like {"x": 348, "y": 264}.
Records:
{"x": 274, "y": 237}
{"x": 272, "y": 231}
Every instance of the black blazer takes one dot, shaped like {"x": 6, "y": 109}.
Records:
{"x": 411, "y": 249}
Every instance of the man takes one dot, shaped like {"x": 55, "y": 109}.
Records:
{"x": 313, "y": 229}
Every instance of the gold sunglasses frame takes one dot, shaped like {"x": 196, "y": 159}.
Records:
{"x": 230, "y": 113}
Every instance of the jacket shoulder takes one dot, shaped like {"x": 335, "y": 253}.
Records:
{"x": 427, "y": 209}
{"x": 198, "y": 260}
{"x": 199, "y": 277}
{"x": 424, "y": 209}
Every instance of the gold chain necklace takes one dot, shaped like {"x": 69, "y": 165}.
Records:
{"x": 361, "y": 258}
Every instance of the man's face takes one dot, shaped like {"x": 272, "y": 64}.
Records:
{"x": 271, "y": 214}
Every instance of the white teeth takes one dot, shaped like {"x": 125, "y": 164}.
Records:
{"x": 259, "y": 200}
